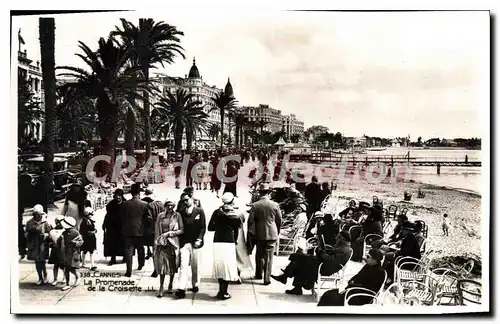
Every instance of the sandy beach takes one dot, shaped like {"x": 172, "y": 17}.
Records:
{"x": 463, "y": 208}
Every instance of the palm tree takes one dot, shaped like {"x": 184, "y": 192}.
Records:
{"x": 240, "y": 121}
{"x": 214, "y": 131}
{"x": 152, "y": 43}
{"x": 225, "y": 103}
{"x": 261, "y": 124}
{"x": 195, "y": 126}
{"x": 129, "y": 115}
{"x": 111, "y": 81}
{"x": 183, "y": 112}
{"x": 295, "y": 138}
{"x": 47, "y": 47}
{"x": 75, "y": 118}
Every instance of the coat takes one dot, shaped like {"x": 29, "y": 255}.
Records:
{"x": 410, "y": 247}
{"x": 161, "y": 254}
{"x": 154, "y": 209}
{"x": 37, "y": 244}
{"x": 314, "y": 196}
{"x": 113, "y": 238}
{"x": 335, "y": 259}
{"x": 265, "y": 220}
{"x": 132, "y": 218}
{"x": 225, "y": 225}
{"x": 194, "y": 226}
{"x": 71, "y": 242}
{"x": 369, "y": 277}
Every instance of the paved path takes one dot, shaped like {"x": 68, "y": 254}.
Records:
{"x": 252, "y": 294}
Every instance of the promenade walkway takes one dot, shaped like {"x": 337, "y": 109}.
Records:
{"x": 252, "y": 294}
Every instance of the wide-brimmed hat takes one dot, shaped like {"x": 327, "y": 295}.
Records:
{"x": 38, "y": 210}
{"x": 148, "y": 191}
{"x": 227, "y": 198}
{"x": 169, "y": 201}
{"x": 88, "y": 211}
{"x": 319, "y": 214}
{"x": 68, "y": 222}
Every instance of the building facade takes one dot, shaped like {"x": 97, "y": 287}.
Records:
{"x": 275, "y": 121}
{"x": 263, "y": 113}
{"x": 292, "y": 126}
{"x": 193, "y": 83}
{"x": 32, "y": 73}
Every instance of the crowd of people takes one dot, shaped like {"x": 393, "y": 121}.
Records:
{"x": 174, "y": 235}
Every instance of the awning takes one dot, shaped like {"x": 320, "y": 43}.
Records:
{"x": 280, "y": 142}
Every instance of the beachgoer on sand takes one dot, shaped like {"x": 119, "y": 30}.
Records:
{"x": 445, "y": 225}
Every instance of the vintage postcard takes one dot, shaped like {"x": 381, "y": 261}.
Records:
{"x": 190, "y": 161}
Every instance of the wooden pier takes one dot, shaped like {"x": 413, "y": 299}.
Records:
{"x": 333, "y": 158}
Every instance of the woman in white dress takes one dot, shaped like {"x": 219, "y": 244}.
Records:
{"x": 74, "y": 204}
{"x": 225, "y": 222}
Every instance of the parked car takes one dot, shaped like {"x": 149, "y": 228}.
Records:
{"x": 63, "y": 177}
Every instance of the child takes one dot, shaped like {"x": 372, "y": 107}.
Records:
{"x": 56, "y": 254}
{"x": 88, "y": 230}
{"x": 37, "y": 237}
{"x": 72, "y": 241}
{"x": 445, "y": 225}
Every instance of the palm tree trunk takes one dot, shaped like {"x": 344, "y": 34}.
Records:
{"x": 178, "y": 140}
{"x": 189, "y": 140}
{"x": 221, "y": 129}
{"x": 108, "y": 120}
{"x": 147, "y": 114}
{"x": 237, "y": 136}
{"x": 130, "y": 132}
{"x": 47, "y": 47}
{"x": 130, "y": 125}
{"x": 229, "y": 131}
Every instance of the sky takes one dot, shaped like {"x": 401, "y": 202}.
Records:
{"x": 380, "y": 74}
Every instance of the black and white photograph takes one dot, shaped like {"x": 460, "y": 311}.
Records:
{"x": 189, "y": 161}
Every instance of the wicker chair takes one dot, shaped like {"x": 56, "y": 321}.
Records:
{"x": 422, "y": 292}
{"x": 358, "y": 291}
{"x": 336, "y": 278}
{"x": 465, "y": 293}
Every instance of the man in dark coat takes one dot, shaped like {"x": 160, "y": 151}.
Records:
{"x": 304, "y": 267}
{"x": 371, "y": 277}
{"x": 191, "y": 242}
{"x": 134, "y": 212}
{"x": 409, "y": 248}
{"x": 113, "y": 240}
{"x": 155, "y": 208}
{"x": 313, "y": 195}
{"x": 265, "y": 222}
{"x": 149, "y": 224}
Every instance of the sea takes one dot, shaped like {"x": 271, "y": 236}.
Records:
{"x": 468, "y": 179}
